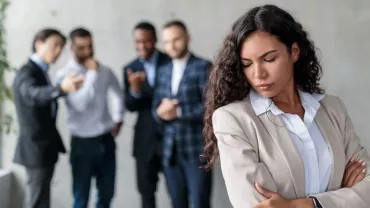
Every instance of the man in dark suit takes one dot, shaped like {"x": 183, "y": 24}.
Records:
{"x": 35, "y": 100}
{"x": 178, "y": 105}
{"x": 140, "y": 80}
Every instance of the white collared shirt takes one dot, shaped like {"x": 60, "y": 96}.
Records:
{"x": 178, "y": 69}
{"x": 306, "y": 136}
{"x": 88, "y": 107}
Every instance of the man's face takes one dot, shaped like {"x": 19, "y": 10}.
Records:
{"x": 82, "y": 48}
{"x": 50, "y": 49}
{"x": 144, "y": 43}
{"x": 175, "y": 41}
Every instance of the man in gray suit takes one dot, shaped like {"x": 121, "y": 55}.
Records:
{"x": 39, "y": 142}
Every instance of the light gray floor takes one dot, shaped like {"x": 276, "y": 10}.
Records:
{"x": 126, "y": 194}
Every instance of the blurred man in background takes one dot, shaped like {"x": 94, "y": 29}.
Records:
{"x": 35, "y": 97}
{"x": 93, "y": 129}
{"x": 178, "y": 105}
{"x": 140, "y": 80}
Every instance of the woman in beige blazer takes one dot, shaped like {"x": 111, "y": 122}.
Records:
{"x": 282, "y": 141}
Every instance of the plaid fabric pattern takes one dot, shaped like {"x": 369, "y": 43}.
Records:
{"x": 185, "y": 131}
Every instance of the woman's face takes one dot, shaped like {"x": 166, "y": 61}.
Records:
{"x": 267, "y": 63}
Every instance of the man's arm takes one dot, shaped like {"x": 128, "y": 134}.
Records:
{"x": 117, "y": 98}
{"x": 34, "y": 93}
{"x": 133, "y": 101}
{"x": 157, "y": 97}
{"x": 196, "y": 111}
{"x": 85, "y": 95}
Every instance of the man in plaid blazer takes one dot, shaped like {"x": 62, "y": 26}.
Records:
{"x": 178, "y": 105}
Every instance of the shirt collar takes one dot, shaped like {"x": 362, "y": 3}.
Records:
{"x": 153, "y": 59}
{"x": 260, "y": 104}
{"x": 40, "y": 63}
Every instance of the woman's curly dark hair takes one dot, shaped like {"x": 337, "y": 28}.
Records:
{"x": 227, "y": 81}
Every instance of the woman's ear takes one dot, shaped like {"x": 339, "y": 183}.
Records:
{"x": 295, "y": 51}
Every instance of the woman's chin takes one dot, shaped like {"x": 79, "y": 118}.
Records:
{"x": 267, "y": 93}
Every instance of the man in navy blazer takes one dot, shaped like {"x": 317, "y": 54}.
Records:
{"x": 178, "y": 105}
{"x": 140, "y": 80}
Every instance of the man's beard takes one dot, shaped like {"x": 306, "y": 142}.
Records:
{"x": 181, "y": 54}
{"x": 82, "y": 59}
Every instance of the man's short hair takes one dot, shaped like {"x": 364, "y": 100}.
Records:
{"x": 146, "y": 26}
{"x": 44, "y": 34}
{"x": 177, "y": 23}
{"x": 79, "y": 32}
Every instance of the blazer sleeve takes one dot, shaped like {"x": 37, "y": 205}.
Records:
{"x": 358, "y": 195}
{"x": 132, "y": 103}
{"x": 240, "y": 164}
{"x": 33, "y": 93}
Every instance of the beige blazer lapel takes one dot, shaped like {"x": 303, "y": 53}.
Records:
{"x": 280, "y": 135}
{"x": 329, "y": 133}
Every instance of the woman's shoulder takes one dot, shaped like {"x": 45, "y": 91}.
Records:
{"x": 333, "y": 103}
{"x": 237, "y": 114}
{"x": 237, "y": 108}
{"x": 335, "y": 109}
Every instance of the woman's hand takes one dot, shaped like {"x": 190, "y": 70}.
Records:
{"x": 354, "y": 173}
{"x": 274, "y": 200}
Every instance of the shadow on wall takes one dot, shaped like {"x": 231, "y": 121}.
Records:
{"x": 5, "y": 187}
{"x": 17, "y": 190}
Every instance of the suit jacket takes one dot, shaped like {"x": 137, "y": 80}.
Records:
{"x": 148, "y": 134}
{"x": 259, "y": 149}
{"x": 187, "y": 129}
{"x": 39, "y": 141}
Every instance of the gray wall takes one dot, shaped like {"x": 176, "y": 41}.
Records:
{"x": 338, "y": 27}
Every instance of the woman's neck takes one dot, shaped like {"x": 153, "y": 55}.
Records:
{"x": 288, "y": 97}
{"x": 289, "y": 101}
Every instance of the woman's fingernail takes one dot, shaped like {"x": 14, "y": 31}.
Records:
{"x": 364, "y": 163}
{"x": 360, "y": 161}
{"x": 364, "y": 170}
